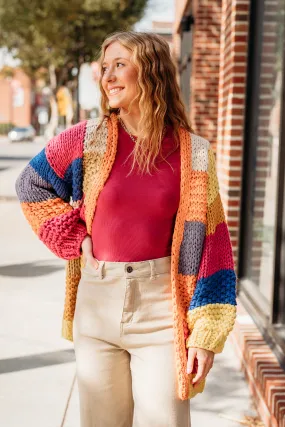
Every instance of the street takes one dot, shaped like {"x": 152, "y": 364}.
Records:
{"x": 37, "y": 366}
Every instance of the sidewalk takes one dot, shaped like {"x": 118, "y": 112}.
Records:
{"x": 37, "y": 367}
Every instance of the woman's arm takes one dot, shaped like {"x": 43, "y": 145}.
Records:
{"x": 212, "y": 311}
{"x": 45, "y": 188}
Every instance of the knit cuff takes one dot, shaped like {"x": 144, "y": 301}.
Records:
{"x": 208, "y": 339}
{"x": 71, "y": 247}
{"x": 67, "y": 243}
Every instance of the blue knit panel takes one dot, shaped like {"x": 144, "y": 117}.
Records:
{"x": 74, "y": 177}
{"x": 45, "y": 171}
{"x": 219, "y": 288}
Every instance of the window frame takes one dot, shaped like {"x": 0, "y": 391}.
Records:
{"x": 269, "y": 318}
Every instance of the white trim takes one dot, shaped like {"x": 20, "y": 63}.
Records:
{"x": 230, "y": 168}
{"x": 227, "y": 188}
{"x": 225, "y": 156}
{"x": 232, "y": 95}
{"x": 233, "y": 208}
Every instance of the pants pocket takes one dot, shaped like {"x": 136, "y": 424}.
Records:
{"x": 88, "y": 268}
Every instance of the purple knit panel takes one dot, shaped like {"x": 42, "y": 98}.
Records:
{"x": 191, "y": 247}
{"x": 30, "y": 187}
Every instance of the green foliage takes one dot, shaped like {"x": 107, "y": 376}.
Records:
{"x": 5, "y": 128}
{"x": 7, "y": 71}
{"x": 62, "y": 33}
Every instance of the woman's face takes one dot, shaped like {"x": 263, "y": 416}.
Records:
{"x": 119, "y": 76}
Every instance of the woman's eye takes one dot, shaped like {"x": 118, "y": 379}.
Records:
{"x": 105, "y": 69}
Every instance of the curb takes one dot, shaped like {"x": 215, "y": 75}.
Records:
{"x": 262, "y": 371}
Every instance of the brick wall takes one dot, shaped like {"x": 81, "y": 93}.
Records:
{"x": 18, "y": 115}
{"x": 231, "y": 108}
{"x": 205, "y": 68}
{"x": 217, "y": 89}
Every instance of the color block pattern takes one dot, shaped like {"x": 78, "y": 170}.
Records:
{"x": 42, "y": 167}
{"x": 59, "y": 190}
{"x": 46, "y": 187}
{"x": 212, "y": 310}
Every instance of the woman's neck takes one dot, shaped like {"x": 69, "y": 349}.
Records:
{"x": 131, "y": 120}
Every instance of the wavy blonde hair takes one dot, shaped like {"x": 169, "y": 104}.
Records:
{"x": 158, "y": 94}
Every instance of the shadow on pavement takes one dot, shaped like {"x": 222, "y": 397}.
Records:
{"x": 16, "y": 158}
{"x": 32, "y": 269}
{"x": 223, "y": 392}
{"x": 36, "y": 361}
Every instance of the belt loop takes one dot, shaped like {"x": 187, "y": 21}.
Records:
{"x": 100, "y": 268}
{"x": 152, "y": 269}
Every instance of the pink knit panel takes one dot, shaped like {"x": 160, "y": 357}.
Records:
{"x": 67, "y": 146}
{"x": 217, "y": 252}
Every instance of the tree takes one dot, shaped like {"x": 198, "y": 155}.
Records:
{"x": 60, "y": 35}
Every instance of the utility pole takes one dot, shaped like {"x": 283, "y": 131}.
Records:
{"x": 80, "y": 56}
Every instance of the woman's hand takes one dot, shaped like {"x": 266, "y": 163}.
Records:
{"x": 88, "y": 253}
{"x": 204, "y": 359}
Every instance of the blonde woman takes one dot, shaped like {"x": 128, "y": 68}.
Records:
{"x": 132, "y": 202}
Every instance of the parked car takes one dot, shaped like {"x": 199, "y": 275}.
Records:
{"x": 26, "y": 133}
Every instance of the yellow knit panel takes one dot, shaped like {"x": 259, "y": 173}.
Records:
{"x": 67, "y": 330}
{"x": 215, "y": 215}
{"x": 94, "y": 149}
{"x": 91, "y": 167}
{"x": 94, "y": 127}
{"x": 213, "y": 184}
{"x": 197, "y": 389}
{"x": 209, "y": 326}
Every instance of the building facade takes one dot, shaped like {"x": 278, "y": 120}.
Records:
{"x": 230, "y": 57}
{"x": 16, "y": 99}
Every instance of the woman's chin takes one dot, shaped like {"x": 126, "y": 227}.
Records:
{"x": 114, "y": 104}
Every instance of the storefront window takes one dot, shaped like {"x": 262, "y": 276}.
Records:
{"x": 186, "y": 53}
{"x": 264, "y": 203}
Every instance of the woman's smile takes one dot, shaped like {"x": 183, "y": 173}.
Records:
{"x": 115, "y": 91}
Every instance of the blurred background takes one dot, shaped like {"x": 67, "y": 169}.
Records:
{"x": 49, "y": 72}
{"x": 229, "y": 56}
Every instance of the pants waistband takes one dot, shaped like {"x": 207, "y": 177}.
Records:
{"x": 150, "y": 268}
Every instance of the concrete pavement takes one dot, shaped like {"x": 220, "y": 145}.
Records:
{"x": 37, "y": 367}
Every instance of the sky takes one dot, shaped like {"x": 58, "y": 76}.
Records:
{"x": 157, "y": 10}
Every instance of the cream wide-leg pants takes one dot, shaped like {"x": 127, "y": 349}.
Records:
{"x": 124, "y": 346}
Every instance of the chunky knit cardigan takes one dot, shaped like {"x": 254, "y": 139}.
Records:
{"x": 58, "y": 191}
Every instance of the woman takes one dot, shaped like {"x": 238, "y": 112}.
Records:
{"x": 151, "y": 287}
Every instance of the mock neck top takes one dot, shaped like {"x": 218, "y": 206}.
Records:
{"x": 135, "y": 214}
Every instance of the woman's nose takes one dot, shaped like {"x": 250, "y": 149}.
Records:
{"x": 110, "y": 76}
